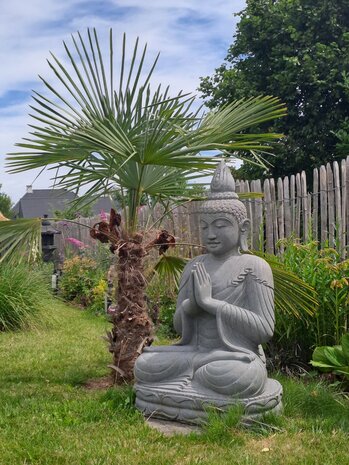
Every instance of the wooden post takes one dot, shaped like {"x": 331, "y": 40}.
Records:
{"x": 248, "y": 204}
{"x": 347, "y": 200}
{"x": 280, "y": 213}
{"x": 298, "y": 206}
{"x": 287, "y": 207}
{"x": 323, "y": 206}
{"x": 274, "y": 212}
{"x": 315, "y": 203}
{"x": 258, "y": 226}
{"x": 305, "y": 216}
{"x": 344, "y": 208}
{"x": 293, "y": 203}
{"x": 338, "y": 207}
{"x": 330, "y": 200}
{"x": 268, "y": 218}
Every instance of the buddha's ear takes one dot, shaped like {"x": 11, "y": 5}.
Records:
{"x": 244, "y": 228}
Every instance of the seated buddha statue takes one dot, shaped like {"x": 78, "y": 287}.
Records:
{"x": 225, "y": 311}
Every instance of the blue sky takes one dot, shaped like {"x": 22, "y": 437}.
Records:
{"x": 192, "y": 37}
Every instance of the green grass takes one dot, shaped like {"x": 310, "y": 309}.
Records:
{"x": 48, "y": 416}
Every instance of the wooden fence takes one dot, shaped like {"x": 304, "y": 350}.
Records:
{"x": 294, "y": 206}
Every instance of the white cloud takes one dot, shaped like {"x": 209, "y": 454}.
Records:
{"x": 191, "y": 35}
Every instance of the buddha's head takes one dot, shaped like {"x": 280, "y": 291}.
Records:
{"x": 223, "y": 217}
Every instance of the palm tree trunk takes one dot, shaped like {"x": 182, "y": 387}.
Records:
{"x": 132, "y": 326}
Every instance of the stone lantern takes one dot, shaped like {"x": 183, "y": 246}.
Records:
{"x": 48, "y": 233}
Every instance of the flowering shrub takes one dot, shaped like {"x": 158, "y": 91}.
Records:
{"x": 324, "y": 270}
{"x": 76, "y": 242}
{"x": 98, "y": 296}
{"x": 80, "y": 277}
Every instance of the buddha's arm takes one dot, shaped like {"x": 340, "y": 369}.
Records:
{"x": 255, "y": 320}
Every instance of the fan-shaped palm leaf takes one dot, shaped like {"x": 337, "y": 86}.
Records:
{"x": 109, "y": 132}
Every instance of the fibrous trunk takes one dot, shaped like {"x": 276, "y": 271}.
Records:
{"x": 132, "y": 326}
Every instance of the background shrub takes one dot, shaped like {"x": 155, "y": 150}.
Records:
{"x": 80, "y": 277}
{"x": 296, "y": 338}
{"x": 24, "y": 295}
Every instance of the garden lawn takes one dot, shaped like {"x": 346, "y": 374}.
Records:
{"x": 49, "y": 417}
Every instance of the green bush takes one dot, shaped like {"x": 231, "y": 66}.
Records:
{"x": 80, "y": 277}
{"x": 324, "y": 270}
{"x": 24, "y": 295}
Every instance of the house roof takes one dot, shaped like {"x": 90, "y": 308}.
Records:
{"x": 42, "y": 202}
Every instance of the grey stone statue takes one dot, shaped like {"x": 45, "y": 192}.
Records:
{"x": 225, "y": 311}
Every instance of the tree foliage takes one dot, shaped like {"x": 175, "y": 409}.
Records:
{"x": 297, "y": 50}
{"x": 5, "y": 204}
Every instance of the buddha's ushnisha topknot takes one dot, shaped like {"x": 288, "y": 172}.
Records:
{"x": 222, "y": 197}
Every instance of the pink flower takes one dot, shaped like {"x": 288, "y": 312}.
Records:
{"x": 103, "y": 215}
{"x": 76, "y": 242}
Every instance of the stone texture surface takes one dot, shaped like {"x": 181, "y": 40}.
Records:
{"x": 171, "y": 428}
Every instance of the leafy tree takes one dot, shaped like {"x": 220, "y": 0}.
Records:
{"x": 5, "y": 204}
{"x": 297, "y": 50}
{"x": 124, "y": 135}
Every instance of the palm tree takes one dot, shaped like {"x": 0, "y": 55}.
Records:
{"x": 110, "y": 135}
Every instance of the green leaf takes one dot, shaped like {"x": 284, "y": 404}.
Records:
{"x": 345, "y": 345}
{"x": 335, "y": 356}
{"x": 170, "y": 267}
{"x": 20, "y": 240}
{"x": 124, "y": 135}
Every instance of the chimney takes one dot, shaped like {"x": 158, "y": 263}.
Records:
{"x": 29, "y": 189}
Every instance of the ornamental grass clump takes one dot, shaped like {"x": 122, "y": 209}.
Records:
{"x": 24, "y": 295}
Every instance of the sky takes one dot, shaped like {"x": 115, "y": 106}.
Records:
{"x": 192, "y": 37}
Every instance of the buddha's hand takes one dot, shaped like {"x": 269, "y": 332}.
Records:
{"x": 203, "y": 288}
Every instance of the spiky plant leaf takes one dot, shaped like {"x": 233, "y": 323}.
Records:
{"x": 170, "y": 267}
{"x": 20, "y": 240}
{"x": 292, "y": 295}
{"x": 110, "y": 132}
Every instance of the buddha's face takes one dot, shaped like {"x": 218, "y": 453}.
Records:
{"x": 220, "y": 234}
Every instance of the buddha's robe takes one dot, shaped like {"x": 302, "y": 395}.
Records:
{"x": 221, "y": 352}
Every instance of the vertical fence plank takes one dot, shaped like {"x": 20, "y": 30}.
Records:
{"x": 305, "y": 216}
{"x": 323, "y": 205}
{"x": 258, "y": 227}
{"x": 344, "y": 208}
{"x": 309, "y": 221}
{"x": 287, "y": 207}
{"x": 315, "y": 218}
{"x": 347, "y": 200}
{"x": 248, "y": 205}
{"x": 298, "y": 206}
{"x": 274, "y": 211}
{"x": 331, "y": 211}
{"x": 280, "y": 213}
{"x": 338, "y": 207}
{"x": 268, "y": 218}
{"x": 293, "y": 203}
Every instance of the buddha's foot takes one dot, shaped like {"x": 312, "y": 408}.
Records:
{"x": 189, "y": 403}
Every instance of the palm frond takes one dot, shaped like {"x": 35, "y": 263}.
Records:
{"x": 124, "y": 134}
{"x": 170, "y": 267}
{"x": 20, "y": 240}
{"x": 292, "y": 295}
